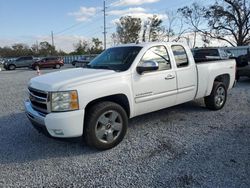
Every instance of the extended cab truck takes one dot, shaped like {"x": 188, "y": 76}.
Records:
{"x": 121, "y": 83}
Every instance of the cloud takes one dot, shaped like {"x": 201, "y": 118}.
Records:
{"x": 137, "y": 12}
{"x": 132, "y": 2}
{"x": 127, "y": 11}
{"x": 84, "y": 14}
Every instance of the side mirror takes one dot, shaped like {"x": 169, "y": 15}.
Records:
{"x": 147, "y": 66}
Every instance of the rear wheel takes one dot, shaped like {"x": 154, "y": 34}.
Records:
{"x": 217, "y": 99}
{"x": 11, "y": 67}
{"x": 237, "y": 77}
{"x": 105, "y": 125}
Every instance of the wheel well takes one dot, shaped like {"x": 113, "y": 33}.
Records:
{"x": 225, "y": 79}
{"x": 120, "y": 99}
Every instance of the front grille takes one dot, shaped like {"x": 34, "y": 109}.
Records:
{"x": 39, "y": 100}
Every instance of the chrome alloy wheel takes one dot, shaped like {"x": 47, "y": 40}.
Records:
{"x": 108, "y": 126}
{"x": 220, "y": 96}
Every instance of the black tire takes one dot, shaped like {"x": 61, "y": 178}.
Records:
{"x": 93, "y": 125}
{"x": 57, "y": 66}
{"x": 11, "y": 67}
{"x": 237, "y": 77}
{"x": 216, "y": 101}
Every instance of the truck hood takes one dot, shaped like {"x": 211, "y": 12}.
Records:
{"x": 65, "y": 78}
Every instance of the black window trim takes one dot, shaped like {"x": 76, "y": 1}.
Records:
{"x": 171, "y": 67}
{"x": 188, "y": 65}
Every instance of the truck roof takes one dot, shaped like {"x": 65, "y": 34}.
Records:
{"x": 148, "y": 44}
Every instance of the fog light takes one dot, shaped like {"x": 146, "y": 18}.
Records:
{"x": 58, "y": 131}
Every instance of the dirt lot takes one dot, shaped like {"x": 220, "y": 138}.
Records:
{"x": 183, "y": 146}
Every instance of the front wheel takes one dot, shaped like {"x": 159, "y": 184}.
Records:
{"x": 58, "y": 66}
{"x": 11, "y": 67}
{"x": 105, "y": 126}
{"x": 217, "y": 99}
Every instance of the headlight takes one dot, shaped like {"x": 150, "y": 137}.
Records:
{"x": 64, "y": 101}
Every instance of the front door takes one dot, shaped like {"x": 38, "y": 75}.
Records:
{"x": 155, "y": 90}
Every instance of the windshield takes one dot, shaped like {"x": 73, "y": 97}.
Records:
{"x": 117, "y": 59}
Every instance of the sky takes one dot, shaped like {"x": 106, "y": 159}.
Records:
{"x": 31, "y": 21}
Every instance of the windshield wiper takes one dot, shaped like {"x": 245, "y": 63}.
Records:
{"x": 100, "y": 67}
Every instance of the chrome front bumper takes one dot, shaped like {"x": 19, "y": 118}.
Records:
{"x": 33, "y": 115}
{"x": 63, "y": 125}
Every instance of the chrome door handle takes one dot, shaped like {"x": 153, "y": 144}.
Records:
{"x": 169, "y": 77}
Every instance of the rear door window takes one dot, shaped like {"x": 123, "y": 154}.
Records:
{"x": 27, "y": 58}
{"x": 180, "y": 56}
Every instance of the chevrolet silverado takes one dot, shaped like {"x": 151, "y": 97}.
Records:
{"x": 123, "y": 82}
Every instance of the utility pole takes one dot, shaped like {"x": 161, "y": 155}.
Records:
{"x": 104, "y": 24}
{"x": 37, "y": 46}
{"x": 52, "y": 38}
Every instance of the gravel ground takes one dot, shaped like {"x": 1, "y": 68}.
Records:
{"x": 182, "y": 146}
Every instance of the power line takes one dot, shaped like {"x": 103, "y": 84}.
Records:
{"x": 74, "y": 25}
{"x": 52, "y": 38}
{"x": 68, "y": 28}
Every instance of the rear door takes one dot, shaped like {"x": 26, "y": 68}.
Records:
{"x": 27, "y": 61}
{"x": 186, "y": 74}
{"x": 155, "y": 90}
{"x": 43, "y": 63}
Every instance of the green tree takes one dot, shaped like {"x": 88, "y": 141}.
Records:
{"x": 6, "y": 52}
{"x": 230, "y": 18}
{"x": 128, "y": 29}
{"x": 43, "y": 49}
{"x": 20, "y": 49}
{"x": 144, "y": 31}
{"x": 96, "y": 47}
{"x": 195, "y": 19}
{"x": 81, "y": 47}
{"x": 227, "y": 20}
{"x": 46, "y": 49}
{"x": 154, "y": 28}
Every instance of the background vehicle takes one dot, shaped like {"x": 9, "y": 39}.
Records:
{"x": 20, "y": 62}
{"x": 83, "y": 61}
{"x": 210, "y": 54}
{"x": 48, "y": 62}
{"x": 121, "y": 83}
{"x": 243, "y": 65}
{"x": 1, "y": 61}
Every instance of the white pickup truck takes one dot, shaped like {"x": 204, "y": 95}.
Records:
{"x": 123, "y": 82}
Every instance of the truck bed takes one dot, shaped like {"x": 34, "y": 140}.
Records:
{"x": 208, "y": 71}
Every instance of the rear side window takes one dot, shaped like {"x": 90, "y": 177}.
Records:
{"x": 180, "y": 56}
{"x": 158, "y": 54}
{"x": 27, "y": 58}
{"x": 51, "y": 58}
